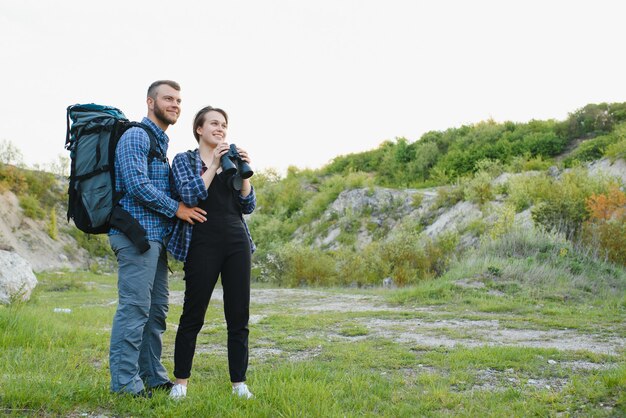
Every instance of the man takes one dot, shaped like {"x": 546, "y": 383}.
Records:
{"x": 139, "y": 322}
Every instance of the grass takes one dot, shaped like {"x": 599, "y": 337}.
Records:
{"x": 323, "y": 362}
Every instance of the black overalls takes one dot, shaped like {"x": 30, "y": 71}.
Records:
{"x": 220, "y": 245}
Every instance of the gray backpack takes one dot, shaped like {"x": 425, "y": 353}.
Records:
{"x": 91, "y": 138}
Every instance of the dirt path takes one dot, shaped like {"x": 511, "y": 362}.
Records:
{"x": 422, "y": 326}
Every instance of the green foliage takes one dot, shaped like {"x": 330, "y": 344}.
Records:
{"x": 562, "y": 206}
{"x": 439, "y": 157}
{"x": 479, "y": 189}
{"x": 616, "y": 150}
{"x": 554, "y": 265}
{"x": 595, "y": 119}
{"x": 417, "y": 199}
{"x": 526, "y": 190}
{"x": 448, "y": 196}
{"x": 606, "y": 228}
{"x": 611, "y": 145}
{"x": 525, "y": 162}
{"x": 53, "y": 230}
{"x": 38, "y": 191}
{"x": 96, "y": 245}
{"x": 296, "y": 265}
{"x": 406, "y": 257}
{"x": 9, "y": 153}
{"x": 504, "y": 221}
{"x": 31, "y": 207}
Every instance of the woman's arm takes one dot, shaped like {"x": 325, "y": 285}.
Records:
{"x": 189, "y": 184}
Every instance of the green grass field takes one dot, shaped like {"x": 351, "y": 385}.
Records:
{"x": 438, "y": 349}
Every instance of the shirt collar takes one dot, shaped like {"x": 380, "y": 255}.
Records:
{"x": 160, "y": 134}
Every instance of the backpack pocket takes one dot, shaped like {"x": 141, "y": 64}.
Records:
{"x": 98, "y": 203}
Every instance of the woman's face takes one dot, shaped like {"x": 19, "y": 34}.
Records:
{"x": 213, "y": 131}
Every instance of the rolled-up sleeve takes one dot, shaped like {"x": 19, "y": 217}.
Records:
{"x": 189, "y": 183}
{"x": 132, "y": 158}
{"x": 248, "y": 203}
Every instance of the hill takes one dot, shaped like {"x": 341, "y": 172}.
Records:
{"x": 429, "y": 200}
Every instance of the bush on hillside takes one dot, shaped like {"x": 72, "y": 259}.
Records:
{"x": 562, "y": 206}
{"x": 31, "y": 208}
{"x": 542, "y": 265}
{"x": 606, "y": 227}
{"x": 38, "y": 191}
{"x": 595, "y": 119}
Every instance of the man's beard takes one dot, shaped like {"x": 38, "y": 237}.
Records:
{"x": 164, "y": 117}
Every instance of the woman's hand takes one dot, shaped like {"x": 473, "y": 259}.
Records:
{"x": 244, "y": 155}
{"x": 221, "y": 149}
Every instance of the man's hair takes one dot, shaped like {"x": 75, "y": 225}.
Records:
{"x": 201, "y": 116}
{"x": 154, "y": 86}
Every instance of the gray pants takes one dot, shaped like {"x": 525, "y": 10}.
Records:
{"x": 139, "y": 322}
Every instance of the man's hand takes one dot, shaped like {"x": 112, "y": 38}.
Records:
{"x": 190, "y": 215}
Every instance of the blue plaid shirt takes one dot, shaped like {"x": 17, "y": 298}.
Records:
{"x": 146, "y": 185}
{"x": 191, "y": 188}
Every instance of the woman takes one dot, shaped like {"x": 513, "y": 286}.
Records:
{"x": 219, "y": 245}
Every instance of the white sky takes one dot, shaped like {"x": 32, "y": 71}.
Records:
{"x": 305, "y": 81}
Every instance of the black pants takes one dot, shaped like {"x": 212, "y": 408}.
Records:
{"x": 217, "y": 247}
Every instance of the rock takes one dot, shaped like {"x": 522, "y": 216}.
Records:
{"x": 17, "y": 279}
{"x": 553, "y": 171}
{"x": 610, "y": 168}
{"x": 388, "y": 283}
{"x": 454, "y": 219}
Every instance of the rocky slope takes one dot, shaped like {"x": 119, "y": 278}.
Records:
{"x": 385, "y": 209}
{"x": 29, "y": 238}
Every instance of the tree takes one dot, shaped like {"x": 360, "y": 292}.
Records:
{"x": 9, "y": 153}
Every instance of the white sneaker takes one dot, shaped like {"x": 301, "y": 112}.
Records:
{"x": 178, "y": 391}
{"x": 242, "y": 391}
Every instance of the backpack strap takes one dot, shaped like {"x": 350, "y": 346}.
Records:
{"x": 155, "y": 148}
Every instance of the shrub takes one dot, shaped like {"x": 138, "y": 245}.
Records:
{"x": 53, "y": 231}
{"x": 617, "y": 149}
{"x": 448, "y": 196}
{"x": 526, "y": 162}
{"x": 562, "y": 206}
{"x": 479, "y": 189}
{"x": 357, "y": 267}
{"x": 410, "y": 256}
{"x": 606, "y": 227}
{"x": 547, "y": 263}
{"x": 31, "y": 207}
{"x": 504, "y": 221}
{"x": 96, "y": 245}
{"x": 295, "y": 265}
{"x": 591, "y": 149}
{"x": 417, "y": 199}
{"x": 526, "y": 190}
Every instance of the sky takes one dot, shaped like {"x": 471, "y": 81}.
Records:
{"x": 306, "y": 81}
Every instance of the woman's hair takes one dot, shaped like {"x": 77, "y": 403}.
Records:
{"x": 200, "y": 116}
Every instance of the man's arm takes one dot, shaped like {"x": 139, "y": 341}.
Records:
{"x": 132, "y": 158}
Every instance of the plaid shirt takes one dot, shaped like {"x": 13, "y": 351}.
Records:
{"x": 191, "y": 188}
{"x": 146, "y": 185}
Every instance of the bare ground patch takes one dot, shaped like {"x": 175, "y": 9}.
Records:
{"x": 431, "y": 331}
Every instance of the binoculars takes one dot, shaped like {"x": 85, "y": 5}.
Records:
{"x": 235, "y": 168}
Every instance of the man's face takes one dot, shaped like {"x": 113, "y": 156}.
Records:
{"x": 166, "y": 106}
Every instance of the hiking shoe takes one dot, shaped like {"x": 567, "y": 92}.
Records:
{"x": 242, "y": 391}
{"x": 178, "y": 391}
{"x": 167, "y": 386}
{"x": 146, "y": 394}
